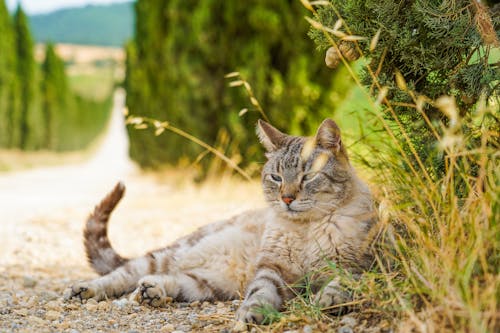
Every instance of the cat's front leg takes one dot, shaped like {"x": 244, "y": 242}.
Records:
{"x": 269, "y": 288}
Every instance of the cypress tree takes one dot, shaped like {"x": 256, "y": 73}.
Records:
{"x": 9, "y": 88}
{"x": 55, "y": 98}
{"x": 29, "y": 120}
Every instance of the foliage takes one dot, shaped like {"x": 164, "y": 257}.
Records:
{"x": 180, "y": 55}
{"x": 55, "y": 102}
{"x": 30, "y": 115}
{"x": 9, "y": 88}
{"x": 106, "y": 25}
{"x": 422, "y": 49}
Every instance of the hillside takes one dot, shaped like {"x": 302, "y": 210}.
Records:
{"x": 106, "y": 25}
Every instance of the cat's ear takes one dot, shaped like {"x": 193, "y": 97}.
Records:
{"x": 271, "y": 138}
{"x": 328, "y": 136}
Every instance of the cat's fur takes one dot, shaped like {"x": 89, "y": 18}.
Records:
{"x": 319, "y": 211}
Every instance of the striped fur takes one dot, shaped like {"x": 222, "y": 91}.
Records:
{"x": 319, "y": 211}
{"x": 101, "y": 256}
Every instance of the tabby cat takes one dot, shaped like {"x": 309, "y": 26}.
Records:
{"x": 319, "y": 211}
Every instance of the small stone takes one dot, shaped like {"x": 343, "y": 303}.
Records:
{"x": 37, "y": 320}
{"x": 102, "y": 306}
{"x": 91, "y": 306}
{"x": 48, "y": 296}
{"x": 220, "y": 304}
{"x": 32, "y": 302}
{"x": 53, "y": 305}
{"x": 64, "y": 325}
{"x": 195, "y": 304}
{"x": 74, "y": 331}
{"x": 72, "y": 306}
{"x": 29, "y": 281}
{"x": 239, "y": 326}
{"x": 307, "y": 329}
{"x": 52, "y": 315}
{"x": 349, "y": 321}
{"x": 120, "y": 303}
{"x": 183, "y": 328}
{"x": 169, "y": 328}
{"x": 345, "y": 329}
{"x": 21, "y": 312}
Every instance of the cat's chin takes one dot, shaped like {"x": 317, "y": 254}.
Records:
{"x": 294, "y": 215}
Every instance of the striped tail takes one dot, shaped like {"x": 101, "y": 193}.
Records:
{"x": 100, "y": 254}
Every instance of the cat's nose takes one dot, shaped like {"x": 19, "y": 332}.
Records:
{"x": 288, "y": 198}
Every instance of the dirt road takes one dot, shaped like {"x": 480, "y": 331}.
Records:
{"x": 42, "y": 213}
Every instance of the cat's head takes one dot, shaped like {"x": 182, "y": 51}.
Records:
{"x": 305, "y": 178}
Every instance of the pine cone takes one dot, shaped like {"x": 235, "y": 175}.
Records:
{"x": 348, "y": 50}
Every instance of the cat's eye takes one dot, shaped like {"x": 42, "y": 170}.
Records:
{"x": 309, "y": 176}
{"x": 276, "y": 178}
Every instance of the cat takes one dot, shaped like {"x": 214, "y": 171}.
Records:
{"x": 318, "y": 211}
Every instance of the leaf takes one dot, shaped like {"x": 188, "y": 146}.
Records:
{"x": 374, "y": 41}
{"x": 232, "y": 74}
{"x": 400, "y": 81}
{"x": 381, "y": 95}
{"x": 307, "y": 4}
{"x": 315, "y": 24}
{"x": 353, "y": 38}
{"x": 159, "y": 131}
{"x": 236, "y": 83}
{"x": 254, "y": 101}
{"x": 338, "y": 25}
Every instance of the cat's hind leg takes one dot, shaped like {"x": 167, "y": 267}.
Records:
{"x": 155, "y": 290}
{"x": 121, "y": 281}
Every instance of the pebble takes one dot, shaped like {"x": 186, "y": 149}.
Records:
{"x": 91, "y": 306}
{"x": 102, "y": 306}
{"x": 121, "y": 303}
{"x": 307, "y": 329}
{"x": 195, "y": 304}
{"x": 37, "y": 320}
{"x": 349, "y": 321}
{"x": 239, "y": 326}
{"x": 53, "y": 305}
{"x": 52, "y": 315}
{"x": 21, "y": 312}
{"x": 48, "y": 296}
{"x": 169, "y": 328}
{"x": 183, "y": 328}
{"x": 345, "y": 329}
{"x": 29, "y": 281}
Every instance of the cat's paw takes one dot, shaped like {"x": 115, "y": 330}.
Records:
{"x": 81, "y": 290}
{"x": 333, "y": 299}
{"x": 249, "y": 314}
{"x": 151, "y": 293}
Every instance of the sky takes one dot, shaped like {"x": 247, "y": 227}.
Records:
{"x": 44, "y": 6}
